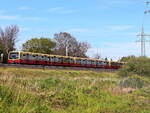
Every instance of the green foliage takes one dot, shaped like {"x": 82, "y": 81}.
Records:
{"x": 65, "y": 97}
{"x": 126, "y": 59}
{"x": 139, "y": 66}
{"x": 69, "y": 91}
{"x": 48, "y": 83}
{"x": 38, "y": 45}
{"x": 134, "y": 81}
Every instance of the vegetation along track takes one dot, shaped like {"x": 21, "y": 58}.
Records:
{"x": 54, "y": 67}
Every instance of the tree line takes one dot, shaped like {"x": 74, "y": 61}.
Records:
{"x": 135, "y": 66}
{"x": 61, "y": 44}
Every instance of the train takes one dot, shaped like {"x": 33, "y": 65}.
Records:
{"x": 30, "y": 58}
{"x": 1, "y": 58}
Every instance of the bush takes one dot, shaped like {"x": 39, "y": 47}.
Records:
{"x": 65, "y": 97}
{"x": 47, "y": 83}
{"x": 139, "y": 66}
{"x": 134, "y": 81}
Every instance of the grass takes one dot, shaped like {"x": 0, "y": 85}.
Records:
{"x": 69, "y": 91}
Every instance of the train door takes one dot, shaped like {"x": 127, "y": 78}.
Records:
{"x": 1, "y": 58}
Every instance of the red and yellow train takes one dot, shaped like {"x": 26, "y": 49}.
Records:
{"x": 1, "y": 57}
{"x": 19, "y": 57}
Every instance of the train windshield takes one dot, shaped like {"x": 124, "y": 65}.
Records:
{"x": 14, "y": 55}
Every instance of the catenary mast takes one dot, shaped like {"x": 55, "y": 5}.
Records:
{"x": 143, "y": 35}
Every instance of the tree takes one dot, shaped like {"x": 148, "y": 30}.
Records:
{"x": 125, "y": 59}
{"x": 64, "y": 41}
{"x": 8, "y": 38}
{"x": 39, "y": 45}
{"x": 137, "y": 65}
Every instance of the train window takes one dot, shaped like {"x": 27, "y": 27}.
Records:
{"x": 22, "y": 56}
{"x": 78, "y": 61}
{"x": 88, "y": 62}
{"x": 30, "y": 57}
{"x": 65, "y": 60}
{"x": 33, "y": 57}
{"x": 43, "y": 58}
{"x": 93, "y": 62}
{"x": 46, "y": 58}
{"x": 85, "y": 62}
{"x": 52, "y": 59}
{"x": 71, "y": 60}
{"x": 56, "y": 59}
{"x": 61, "y": 60}
{"x": 36, "y": 57}
{"x": 114, "y": 64}
{"x": 27, "y": 56}
{"x": 68, "y": 60}
{"x": 40, "y": 58}
{"x": 96, "y": 62}
{"x": 99, "y": 63}
{"x": 49, "y": 58}
{"x": 103, "y": 63}
{"x": 106, "y": 63}
{"x": 82, "y": 61}
{"x": 14, "y": 55}
{"x": 1, "y": 57}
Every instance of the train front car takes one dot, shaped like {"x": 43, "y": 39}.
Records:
{"x": 1, "y": 58}
{"x": 14, "y": 57}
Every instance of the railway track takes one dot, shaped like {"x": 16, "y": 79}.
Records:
{"x": 53, "y": 67}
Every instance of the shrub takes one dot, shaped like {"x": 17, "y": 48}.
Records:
{"x": 65, "y": 97}
{"x": 46, "y": 84}
{"x": 134, "y": 81}
{"x": 139, "y": 66}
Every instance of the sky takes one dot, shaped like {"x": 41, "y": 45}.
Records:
{"x": 110, "y": 27}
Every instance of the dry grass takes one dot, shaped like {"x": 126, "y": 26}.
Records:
{"x": 68, "y": 91}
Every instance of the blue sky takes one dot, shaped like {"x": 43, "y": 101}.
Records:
{"x": 111, "y": 26}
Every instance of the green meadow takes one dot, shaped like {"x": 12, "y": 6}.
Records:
{"x": 69, "y": 91}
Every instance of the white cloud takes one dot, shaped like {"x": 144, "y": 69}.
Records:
{"x": 67, "y": 11}
{"x": 32, "y": 18}
{"x": 116, "y": 50}
{"x": 19, "y": 17}
{"x": 78, "y": 30}
{"x": 24, "y": 8}
{"x": 119, "y": 27}
{"x": 7, "y": 17}
{"x": 120, "y": 2}
{"x": 60, "y": 10}
{"x": 24, "y": 29}
{"x": 55, "y": 9}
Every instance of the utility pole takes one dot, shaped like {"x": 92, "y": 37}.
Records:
{"x": 142, "y": 35}
{"x": 98, "y": 54}
{"x": 143, "y": 41}
{"x": 67, "y": 47}
{"x": 67, "y": 50}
